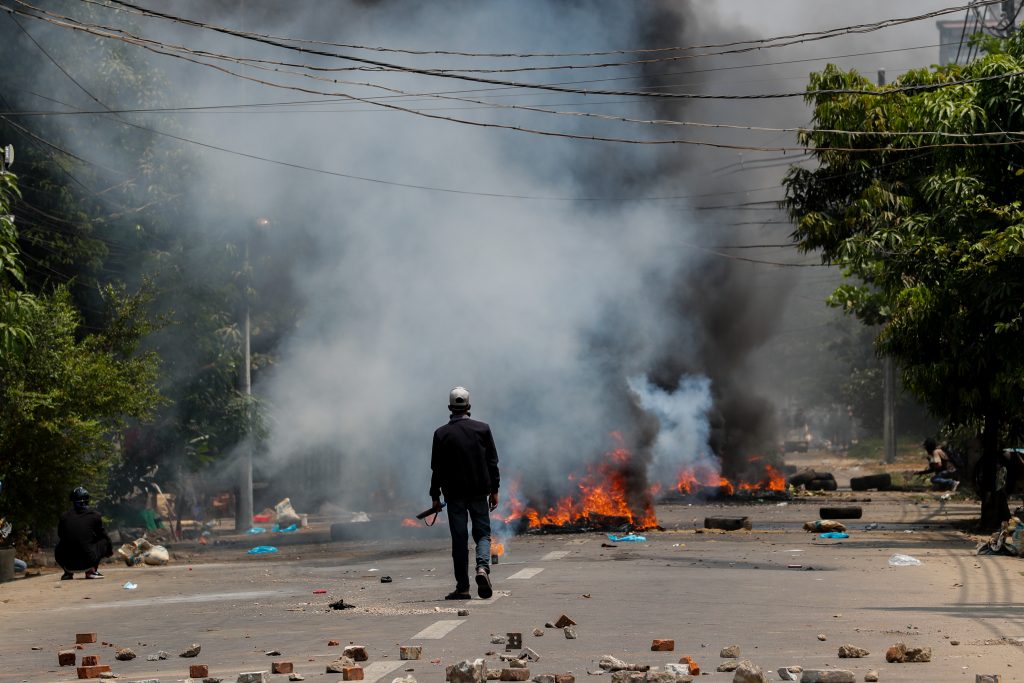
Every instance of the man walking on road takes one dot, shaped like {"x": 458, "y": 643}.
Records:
{"x": 464, "y": 465}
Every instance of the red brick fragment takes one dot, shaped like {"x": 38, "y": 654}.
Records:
{"x": 564, "y": 621}
{"x": 333, "y": 643}
{"x": 90, "y": 660}
{"x": 85, "y": 637}
{"x": 281, "y": 668}
{"x": 352, "y": 673}
{"x": 659, "y": 645}
{"x": 692, "y": 665}
{"x": 67, "y": 657}
{"x": 198, "y": 671}
{"x": 93, "y": 671}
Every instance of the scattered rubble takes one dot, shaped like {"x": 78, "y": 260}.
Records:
{"x": 282, "y": 667}
{"x": 252, "y": 677}
{"x": 85, "y": 638}
{"x": 824, "y": 525}
{"x": 198, "y": 671}
{"x": 748, "y": 672}
{"x": 529, "y": 655}
{"x": 822, "y": 637}
{"x": 872, "y": 676}
{"x": 730, "y": 652}
{"x": 124, "y": 654}
{"x": 691, "y": 666}
{"x": 356, "y": 652}
{"x": 729, "y": 666}
{"x": 463, "y": 613}
{"x": 564, "y": 621}
{"x": 300, "y": 677}
{"x": 900, "y": 653}
{"x": 468, "y": 671}
{"x": 988, "y": 678}
{"x": 515, "y": 675}
{"x": 852, "y": 652}
{"x": 273, "y": 653}
{"x": 191, "y": 651}
{"x": 340, "y": 664}
{"x": 67, "y": 657}
{"x": 537, "y": 633}
{"x": 497, "y": 640}
{"x": 613, "y": 664}
{"x": 409, "y": 652}
{"x": 570, "y": 633}
{"x": 827, "y": 676}
{"x": 352, "y": 673}
{"x": 659, "y": 645}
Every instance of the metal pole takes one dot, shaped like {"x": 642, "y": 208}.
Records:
{"x": 889, "y": 383}
{"x": 243, "y": 510}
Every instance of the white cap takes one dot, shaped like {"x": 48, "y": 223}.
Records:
{"x": 459, "y": 398}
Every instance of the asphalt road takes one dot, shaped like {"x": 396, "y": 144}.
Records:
{"x": 704, "y": 590}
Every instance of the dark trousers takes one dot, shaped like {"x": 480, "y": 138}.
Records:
{"x": 460, "y": 513}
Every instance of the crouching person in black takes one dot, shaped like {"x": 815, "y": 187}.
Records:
{"x": 83, "y": 542}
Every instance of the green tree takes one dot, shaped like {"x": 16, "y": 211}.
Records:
{"x": 65, "y": 394}
{"x": 929, "y": 236}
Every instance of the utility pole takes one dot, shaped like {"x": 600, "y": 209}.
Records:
{"x": 1010, "y": 13}
{"x": 888, "y": 382}
{"x": 243, "y": 506}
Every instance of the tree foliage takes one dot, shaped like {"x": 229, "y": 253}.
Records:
{"x": 65, "y": 393}
{"x": 929, "y": 237}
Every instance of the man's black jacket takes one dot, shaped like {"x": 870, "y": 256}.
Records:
{"x": 83, "y": 540}
{"x": 464, "y": 460}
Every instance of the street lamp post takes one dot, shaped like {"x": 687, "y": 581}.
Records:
{"x": 244, "y": 510}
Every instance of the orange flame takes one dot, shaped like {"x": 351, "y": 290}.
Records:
{"x": 497, "y": 548}
{"x": 602, "y": 490}
{"x": 768, "y": 479}
{"x": 409, "y": 521}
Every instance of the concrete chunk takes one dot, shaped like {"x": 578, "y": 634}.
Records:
{"x": 515, "y": 675}
{"x": 748, "y": 672}
{"x": 409, "y": 652}
{"x": 827, "y": 676}
{"x": 852, "y": 652}
{"x": 469, "y": 671}
{"x": 356, "y": 652}
{"x": 252, "y": 677}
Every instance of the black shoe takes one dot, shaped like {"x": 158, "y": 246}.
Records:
{"x": 93, "y": 574}
{"x": 483, "y": 584}
{"x": 459, "y": 595}
{"x": 67, "y": 576}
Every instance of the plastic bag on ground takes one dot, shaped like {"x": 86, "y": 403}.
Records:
{"x": 286, "y": 514}
{"x": 834, "y": 534}
{"x": 262, "y": 550}
{"x": 156, "y": 556}
{"x": 628, "y": 538}
{"x": 904, "y": 561}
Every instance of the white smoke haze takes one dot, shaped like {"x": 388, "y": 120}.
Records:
{"x": 684, "y": 433}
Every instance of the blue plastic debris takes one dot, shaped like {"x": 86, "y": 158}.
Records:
{"x": 834, "y": 534}
{"x": 256, "y": 530}
{"x": 262, "y": 550}
{"x": 628, "y": 538}
{"x": 278, "y": 530}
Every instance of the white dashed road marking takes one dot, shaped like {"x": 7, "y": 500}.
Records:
{"x": 554, "y": 555}
{"x": 527, "y": 573}
{"x": 439, "y": 629}
{"x": 378, "y": 670}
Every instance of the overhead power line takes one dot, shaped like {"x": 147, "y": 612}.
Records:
{"x": 117, "y": 34}
{"x": 737, "y": 47}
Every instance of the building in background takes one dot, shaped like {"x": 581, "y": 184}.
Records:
{"x": 955, "y": 34}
